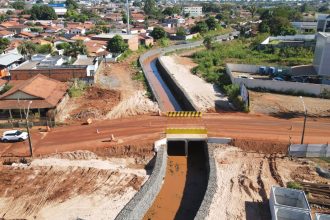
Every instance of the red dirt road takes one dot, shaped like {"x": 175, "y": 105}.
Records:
{"x": 143, "y": 129}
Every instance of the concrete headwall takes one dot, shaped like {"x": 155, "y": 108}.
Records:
{"x": 142, "y": 201}
{"x": 212, "y": 184}
{"x": 181, "y": 96}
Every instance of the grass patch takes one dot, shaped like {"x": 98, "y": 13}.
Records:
{"x": 294, "y": 185}
{"x": 77, "y": 89}
{"x": 124, "y": 55}
{"x": 325, "y": 159}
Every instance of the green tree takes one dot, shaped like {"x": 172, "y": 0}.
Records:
{"x": 158, "y": 33}
{"x": 63, "y": 46}
{"x": 264, "y": 27}
{"x": 219, "y": 16}
{"x": 150, "y": 7}
{"x": 77, "y": 47}
{"x": 172, "y": 10}
{"x": 44, "y": 49}
{"x": 18, "y": 5}
{"x": 211, "y": 23}
{"x": 71, "y": 4}
{"x": 253, "y": 10}
{"x": 137, "y": 4}
{"x": 200, "y": 27}
{"x": 181, "y": 32}
{"x": 208, "y": 41}
{"x": 3, "y": 18}
{"x": 4, "y": 43}
{"x": 117, "y": 45}
{"x": 27, "y": 49}
{"x": 42, "y": 12}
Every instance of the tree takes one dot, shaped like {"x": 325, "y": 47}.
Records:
{"x": 27, "y": 49}
{"x": 77, "y": 47}
{"x": 71, "y": 4}
{"x": 158, "y": 33}
{"x": 208, "y": 40}
{"x": 253, "y": 10}
{"x": 137, "y": 4}
{"x": 42, "y": 12}
{"x": 150, "y": 7}
{"x": 264, "y": 27}
{"x": 18, "y": 5}
{"x": 181, "y": 32}
{"x": 200, "y": 27}
{"x": 63, "y": 46}
{"x": 211, "y": 23}
{"x": 4, "y": 43}
{"x": 45, "y": 49}
{"x": 117, "y": 45}
{"x": 219, "y": 17}
{"x": 172, "y": 10}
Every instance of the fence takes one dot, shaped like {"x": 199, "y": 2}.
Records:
{"x": 18, "y": 123}
{"x": 309, "y": 150}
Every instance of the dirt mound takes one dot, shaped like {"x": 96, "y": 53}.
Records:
{"x": 96, "y": 93}
{"x": 75, "y": 155}
{"x": 261, "y": 146}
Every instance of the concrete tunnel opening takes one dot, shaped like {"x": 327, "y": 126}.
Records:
{"x": 176, "y": 148}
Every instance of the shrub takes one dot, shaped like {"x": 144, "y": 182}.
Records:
{"x": 77, "y": 89}
{"x": 294, "y": 185}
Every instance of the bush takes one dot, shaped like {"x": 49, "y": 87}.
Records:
{"x": 77, "y": 89}
{"x": 294, "y": 185}
{"x": 6, "y": 88}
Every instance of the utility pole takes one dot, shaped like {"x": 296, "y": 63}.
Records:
{"x": 305, "y": 118}
{"x": 127, "y": 16}
{"x": 28, "y": 129}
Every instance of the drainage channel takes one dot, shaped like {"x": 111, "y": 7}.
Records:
{"x": 185, "y": 183}
{"x": 168, "y": 92}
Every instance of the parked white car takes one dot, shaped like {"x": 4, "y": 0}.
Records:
{"x": 14, "y": 135}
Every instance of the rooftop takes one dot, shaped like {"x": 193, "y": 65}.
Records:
{"x": 9, "y": 58}
{"x": 109, "y": 36}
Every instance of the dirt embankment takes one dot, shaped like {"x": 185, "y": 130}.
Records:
{"x": 261, "y": 146}
{"x": 245, "y": 179}
{"x": 95, "y": 103}
{"x": 70, "y": 186}
{"x": 287, "y": 106}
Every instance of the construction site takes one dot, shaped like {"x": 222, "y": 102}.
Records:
{"x": 176, "y": 153}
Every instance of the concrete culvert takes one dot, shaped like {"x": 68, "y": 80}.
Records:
{"x": 176, "y": 148}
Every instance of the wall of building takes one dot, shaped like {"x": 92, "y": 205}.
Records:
{"x": 61, "y": 74}
{"x": 280, "y": 86}
{"x": 20, "y": 95}
{"x": 133, "y": 43}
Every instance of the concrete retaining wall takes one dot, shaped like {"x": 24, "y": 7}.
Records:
{"x": 309, "y": 150}
{"x": 319, "y": 216}
{"x": 181, "y": 96}
{"x": 212, "y": 184}
{"x": 142, "y": 201}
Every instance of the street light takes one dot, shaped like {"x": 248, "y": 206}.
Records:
{"x": 305, "y": 112}
{"x": 28, "y": 129}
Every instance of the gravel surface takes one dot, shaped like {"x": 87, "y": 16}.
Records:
{"x": 207, "y": 97}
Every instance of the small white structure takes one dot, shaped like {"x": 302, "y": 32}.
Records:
{"x": 288, "y": 204}
{"x": 319, "y": 216}
{"x": 322, "y": 54}
{"x": 91, "y": 62}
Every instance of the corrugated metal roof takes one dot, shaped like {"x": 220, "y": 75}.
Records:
{"x": 9, "y": 58}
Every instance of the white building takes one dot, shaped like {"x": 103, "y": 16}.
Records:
{"x": 194, "y": 11}
{"x": 322, "y": 54}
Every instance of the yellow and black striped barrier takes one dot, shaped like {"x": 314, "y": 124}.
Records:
{"x": 186, "y": 131}
{"x": 184, "y": 114}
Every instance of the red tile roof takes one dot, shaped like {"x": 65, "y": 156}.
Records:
{"x": 48, "y": 93}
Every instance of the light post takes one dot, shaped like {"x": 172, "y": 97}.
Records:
{"x": 28, "y": 129}
{"x": 305, "y": 112}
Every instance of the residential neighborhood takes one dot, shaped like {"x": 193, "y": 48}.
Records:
{"x": 164, "y": 110}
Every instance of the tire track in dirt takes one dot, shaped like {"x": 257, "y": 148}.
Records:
{"x": 274, "y": 171}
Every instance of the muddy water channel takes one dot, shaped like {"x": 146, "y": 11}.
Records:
{"x": 184, "y": 186}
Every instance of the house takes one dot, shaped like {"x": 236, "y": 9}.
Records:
{"x": 77, "y": 30}
{"x": 44, "y": 95}
{"x": 80, "y": 38}
{"x": 131, "y": 40}
{"x": 26, "y": 35}
{"x": 96, "y": 48}
{"x": 6, "y": 34}
{"x": 193, "y": 11}
{"x": 146, "y": 40}
{"x": 51, "y": 67}
{"x": 9, "y": 61}
{"x": 91, "y": 62}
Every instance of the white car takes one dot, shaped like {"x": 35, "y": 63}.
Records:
{"x": 14, "y": 135}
